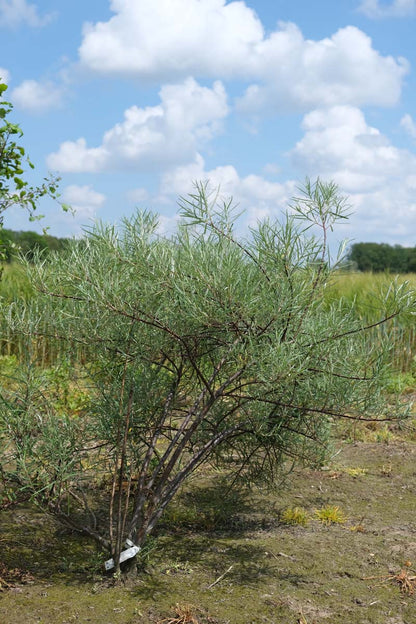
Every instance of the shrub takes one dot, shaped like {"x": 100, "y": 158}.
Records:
{"x": 205, "y": 349}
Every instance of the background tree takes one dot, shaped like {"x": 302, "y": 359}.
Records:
{"x": 379, "y": 257}
{"x": 29, "y": 243}
{"x": 204, "y": 349}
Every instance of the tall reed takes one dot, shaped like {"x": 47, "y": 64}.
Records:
{"x": 363, "y": 292}
{"x": 46, "y": 349}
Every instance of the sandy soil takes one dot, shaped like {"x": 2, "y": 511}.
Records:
{"x": 233, "y": 561}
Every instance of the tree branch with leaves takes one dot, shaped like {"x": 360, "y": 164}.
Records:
{"x": 15, "y": 190}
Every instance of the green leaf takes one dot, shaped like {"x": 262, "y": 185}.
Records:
{"x": 12, "y": 168}
{"x": 19, "y": 183}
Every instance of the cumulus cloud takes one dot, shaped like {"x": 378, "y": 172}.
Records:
{"x": 338, "y": 143}
{"x": 299, "y": 74}
{"x": 37, "y": 97}
{"x": 397, "y": 8}
{"x": 151, "y": 40}
{"x": 385, "y": 211}
{"x": 408, "y": 124}
{"x": 84, "y": 201}
{"x": 254, "y": 194}
{"x": 379, "y": 178}
{"x": 13, "y": 13}
{"x": 154, "y": 137}
{"x": 154, "y": 40}
{"x": 387, "y": 214}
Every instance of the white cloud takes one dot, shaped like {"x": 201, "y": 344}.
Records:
{"x": 4, "y": 75}
{"x": 16, "y": 12}
{"x": 84, "y": 201}
{"x": 254, "y": 194}
{"x": 408, "y": 124}
{"x": 172, "y": 38}
{"x": 378, "y": 177}
{"x": 387, "y": 214}
{"x": 153, "y": 137}
{"x": 397, "y": 8}
{"x": 339, "y": 144}
{"x": 37, "y": 97}
{"x": 167, "y": 225}
{"x": 299, "y": 74}
{"x": 152, "y": 40}
{"x": 385, "y": 211}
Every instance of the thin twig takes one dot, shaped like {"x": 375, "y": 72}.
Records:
{"x": 220, "y": 577}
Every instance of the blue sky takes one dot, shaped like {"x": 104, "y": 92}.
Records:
{"x": 131, "y": 101}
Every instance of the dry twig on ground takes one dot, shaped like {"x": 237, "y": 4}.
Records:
{"x": 404, "y": 578}
{"x": 184, "y": 615}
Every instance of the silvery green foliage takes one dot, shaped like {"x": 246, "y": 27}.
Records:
{"x": 203, "y": 348}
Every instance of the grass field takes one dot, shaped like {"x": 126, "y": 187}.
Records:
{"x": 363, "y": 290}
{"x": 14, "y": 284}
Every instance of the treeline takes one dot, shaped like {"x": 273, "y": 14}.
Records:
{"x": 27, "y": 243}
{"x": 378, "y": 257}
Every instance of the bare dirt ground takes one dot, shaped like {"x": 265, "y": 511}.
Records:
{"x": 234, "y": 561}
